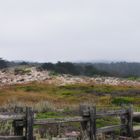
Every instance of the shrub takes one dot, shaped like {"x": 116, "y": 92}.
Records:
{"x": 122, "y": 100}
{"x": 21, "y": 71}
{"x": 44, "y": 106}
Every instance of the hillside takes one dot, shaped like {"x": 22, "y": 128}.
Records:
{"x": 23, "y": 75}
{"x": 24, "y": 82}
{"x": 114, "y": 69}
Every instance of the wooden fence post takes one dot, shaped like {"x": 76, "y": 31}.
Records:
{"x": 123, "y": 117}
{"x": 18, "y": 124}
{"x": 127, "y": 119}
{"x": 130, "y": 122}
{"x": 92, "y": 123}
{"x": 123, "y": 130}
{"x": 84, "y": 112}
{"x": 29, "y": 124}
{"x": 89, "y": 127}
{"x": 18, "y": 127}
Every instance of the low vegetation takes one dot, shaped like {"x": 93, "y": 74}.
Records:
{"x": 53, "y": 101}
{"x": 71, "y": 95}
{"x": 21, "y": 71}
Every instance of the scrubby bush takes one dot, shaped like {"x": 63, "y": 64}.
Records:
{"x": 21, "y": 71}
{"x": 122, "y": 100}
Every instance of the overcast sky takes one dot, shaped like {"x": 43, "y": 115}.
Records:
{"x": 70, "y": 30}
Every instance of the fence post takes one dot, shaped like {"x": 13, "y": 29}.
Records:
{"x": 123, "y": 117}
{"x": 18, "y": 124}
{"x": 127, "y": 119}
{"x": 130, "y": 122}
{"x": 123, "y": 130}
{"x": 18, "y": 127}
{"x": 29, "y": 123}
{"x": 84, "y": 112}
{"x": 93, "y": 123}
{"x": 89, "y": 127}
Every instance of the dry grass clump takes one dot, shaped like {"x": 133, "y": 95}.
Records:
{"x": 44, "y": 106}
{"x": 41, "y": 106}
{"x": 11, "y": 105}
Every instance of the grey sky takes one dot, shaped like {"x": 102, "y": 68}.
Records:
{"x": 70, "y": 30}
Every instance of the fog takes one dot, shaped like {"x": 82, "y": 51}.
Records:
{"x": 70, "y": 30}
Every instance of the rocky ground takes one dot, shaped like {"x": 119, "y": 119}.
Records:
{"x": 10, "y": 76}
{"x": 26, "y": 75}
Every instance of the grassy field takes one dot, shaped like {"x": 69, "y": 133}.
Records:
{"x": 70, "y": 95}
{"x": 52, "y": 101}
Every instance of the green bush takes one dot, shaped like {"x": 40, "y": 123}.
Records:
{"x": 53, "y": 73}
{"x": 47, "y": 115}
{"x": 21, "y": 71}
{"x": 134, "y": 78}
{"x": 122, "y": 100}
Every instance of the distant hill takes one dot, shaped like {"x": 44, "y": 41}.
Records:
{"x": 120, "y": 69}
{"x": 117, "y": 69}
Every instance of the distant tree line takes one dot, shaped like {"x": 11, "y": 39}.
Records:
{"x": 117, "y": 69}
{"x": 73, "y": 69}
{"x": 120, "y": 69}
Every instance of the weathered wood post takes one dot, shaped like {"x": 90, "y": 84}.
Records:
{"x": 84, "y": 112}
{"x": 93, "y": 123}
{"x": 130, "y": 122}
{"x": 29, "y": 124}
{"x": 123, "y": 118}
{"x": 123, "y": 130}
{"x": 89, "y": 127}
{"x": 18, "y": 127}
{"x": 18, "y": 124}
{"x": 127, "y": 120}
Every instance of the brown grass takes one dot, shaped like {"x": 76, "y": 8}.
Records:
{"x": 62, "y": 96}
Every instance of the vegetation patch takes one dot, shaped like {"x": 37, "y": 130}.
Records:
{"x": 21, "y": 71}
{"x": 48, "y": 115}
{"x": 123, "y": 100}
{"x": 70, "y": 95}
{"x": 107, "y": 121}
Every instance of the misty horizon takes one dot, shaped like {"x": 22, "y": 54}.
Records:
{"x": 78, "y": 61}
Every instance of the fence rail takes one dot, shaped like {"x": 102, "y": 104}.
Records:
{"x": 87, "y": 117}
{"x": 12, "y": 138}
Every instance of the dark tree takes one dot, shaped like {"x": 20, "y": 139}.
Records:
{"x": 48, "y": 66}
{"x": 3, "y": 63}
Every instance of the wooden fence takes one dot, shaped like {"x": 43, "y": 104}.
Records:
{"x": 88, "y": 116}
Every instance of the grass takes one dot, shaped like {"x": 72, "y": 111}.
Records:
{"x": 126, "y": 100}
{"x": 134, "y": 78}
{"x": 48, "y": 115}
{"x": 107, "y": 121}
{"x": 52, "y": 101}
{"x": 123, "y": 100}
{"x": 70, "y": 95}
